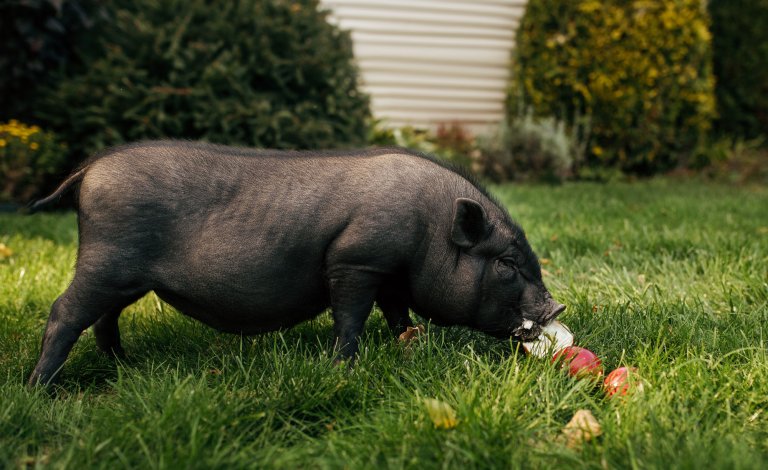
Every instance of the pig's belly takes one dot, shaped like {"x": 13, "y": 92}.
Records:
{"x": 234, "y": 306}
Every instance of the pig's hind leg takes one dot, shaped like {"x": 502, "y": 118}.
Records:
{"x": 107, "y": 334}
{"x": 83, "y": 303}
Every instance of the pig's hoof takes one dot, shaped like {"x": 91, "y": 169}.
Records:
{"x": 37, "y": 381}
{"x": 115, "y": 352}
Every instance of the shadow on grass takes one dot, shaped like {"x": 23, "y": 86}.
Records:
{"x": 189, "y": 347}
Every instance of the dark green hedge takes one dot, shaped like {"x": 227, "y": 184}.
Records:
{"x": 740, "y": 43}
{"x": 38, "y": 39}
{"x": 266, "y": 73}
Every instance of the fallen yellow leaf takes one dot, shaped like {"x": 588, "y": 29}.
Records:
{"x": 5, "y": 252}
{"x": 441, "y": 414}
{"x": 580, "y": 429}
{"x": 411, "y": 333}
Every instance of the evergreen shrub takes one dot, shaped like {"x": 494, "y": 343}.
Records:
{"x": 264, "y": 73}
{"x": 39, "y": 39}
{"x": 740, "y": 44}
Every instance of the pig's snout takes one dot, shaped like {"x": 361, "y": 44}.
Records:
{"x": 554, "y": 310}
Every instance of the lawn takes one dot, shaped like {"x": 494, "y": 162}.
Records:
{"x": 666, "y": 275}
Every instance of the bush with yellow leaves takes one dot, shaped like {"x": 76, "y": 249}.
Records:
{"x": 640, "y": 70}
{"x": 28, "y": 157}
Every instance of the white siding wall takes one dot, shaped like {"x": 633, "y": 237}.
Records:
{"x": 430, "y": 61}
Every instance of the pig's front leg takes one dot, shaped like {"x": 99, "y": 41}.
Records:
{"x": 393, "y": 302}
{"x": 352, "y": 294}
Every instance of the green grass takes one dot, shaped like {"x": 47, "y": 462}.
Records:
{"x": 668, "y": 276}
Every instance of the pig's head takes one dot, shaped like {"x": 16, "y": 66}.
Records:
{"x": 508, "y": 298}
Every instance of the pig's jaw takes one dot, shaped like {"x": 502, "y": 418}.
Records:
{"x": 528, "y": 330}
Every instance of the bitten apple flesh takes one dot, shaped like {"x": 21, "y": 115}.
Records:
{"x": 555, "y": 336}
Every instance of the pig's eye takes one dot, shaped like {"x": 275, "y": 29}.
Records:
{"x": 506, "y": 265}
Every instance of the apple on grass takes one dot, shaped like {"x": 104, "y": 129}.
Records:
{"x": 622, "y": 381}
{"x": 581, "y": 362}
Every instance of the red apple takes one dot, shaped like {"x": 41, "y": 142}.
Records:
{"x": 581, "y": 362}
{"x": 622, "y": 381}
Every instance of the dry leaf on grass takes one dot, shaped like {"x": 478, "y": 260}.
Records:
{"x": 411, "y": 333}
{"x": 441, "y": 414}
{"x": 5, "y": 252}
{"x": 582, "y": 427}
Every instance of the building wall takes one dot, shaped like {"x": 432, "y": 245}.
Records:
{"x": 430, "y": 61}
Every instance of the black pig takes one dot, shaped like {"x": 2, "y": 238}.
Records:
{"x": 250, "y": 241}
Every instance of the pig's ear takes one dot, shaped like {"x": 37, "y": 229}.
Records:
{"x": 470, "y": 224}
